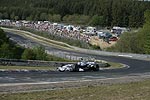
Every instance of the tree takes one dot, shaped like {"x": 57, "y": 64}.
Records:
{"x": 84, "y": 19}
{"x": 40, "y": 53}
{"x": 124, "y": 44}
{"x": 3, "y": 37}
{"x": 115, "y": 12}
{"x": 12, "y": 16}
{"x": 50, "y": 17}
{"x": 43, "y": 16}
{"x": 16, "y": 17}
{"x": 146, "y": 37}
{"x": 1, "y": 15}
{"x": 5, "y": 15}
{"x": 76, "y": 19}
{"x": 146, "y": 32}
{"x": 5, "y": 51}
{"x": 30, "y": 18}
{"x": 17, "y": 51}
{"x": 97, "y": 20}
{"x": 147, "y": 18}
{"x": 28, "y": 54}
{"x": 56, "y": 18}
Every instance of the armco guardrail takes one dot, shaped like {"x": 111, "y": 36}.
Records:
{"x": 17, "y": 62}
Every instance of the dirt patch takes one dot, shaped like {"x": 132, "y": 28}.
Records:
{"x": 100, "y": 42}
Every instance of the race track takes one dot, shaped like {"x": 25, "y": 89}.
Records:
{"x": 136, "y": 67}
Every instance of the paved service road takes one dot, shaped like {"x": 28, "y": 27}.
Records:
{"x": 137, "y": 67}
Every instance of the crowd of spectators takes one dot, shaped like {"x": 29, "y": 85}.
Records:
{"x": 69, "y": 31}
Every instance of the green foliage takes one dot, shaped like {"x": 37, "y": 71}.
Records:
{"x": 129, "y": 42}
{"x": 7, "y": 48}
{"x": 76, "y": 19}
{"x": 138, "y": 42}
{"x": 56, "y": 18}
{"x": 37, "y": 53}
{"x": 11, "y": 51}
{"x": 146, "y": 32}
{"x": 146, "y": 37}
{"x": 136, "y": 18}
{"x": 1, "y": 15}
{"x": 52, "y": 17}
{"x": 17, "y": 51}
{"x": 28, "y": 54}
{"x": 95, "y": 47}
{"x": 5, "y": 51}
{"x": 3, "y": 37}
{"x": 114, "y": 12}
{"x": 97, "y": 21}
{"x": 147, "y": 19}
{"x": 123, "y": 44}
{"x": 43, "y": 16}
{"x": 40, "y": 53}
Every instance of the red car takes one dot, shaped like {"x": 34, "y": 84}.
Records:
{"x": 113, "y": 38}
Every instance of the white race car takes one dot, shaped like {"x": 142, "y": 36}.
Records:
{"x": 79, "y": 67}
{"x": 68, "y": 67}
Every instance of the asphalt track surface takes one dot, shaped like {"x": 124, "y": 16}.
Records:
{"x": 136, "y": 67}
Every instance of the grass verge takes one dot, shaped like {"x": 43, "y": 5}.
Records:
{"x": 26, "y": 68}
{"x": 54, "y": 39}
{"x": 38, "y": 38}
{"x": 114, "y": 65}
{"x": 126, "y": 91}
{"x": 110, "y": 65}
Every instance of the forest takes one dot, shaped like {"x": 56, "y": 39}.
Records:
{"x": 125, "y": 13}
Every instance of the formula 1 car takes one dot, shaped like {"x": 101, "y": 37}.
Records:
{"x": 79, "y": 67}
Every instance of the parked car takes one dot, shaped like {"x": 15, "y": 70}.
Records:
{"x": 103, "y": 35}
{"x": 113, "y": 38}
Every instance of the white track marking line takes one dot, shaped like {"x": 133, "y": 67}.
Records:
{"x": 125, "y": 56}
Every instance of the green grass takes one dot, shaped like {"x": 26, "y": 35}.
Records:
{"x": 111, "y": 65}
{"x": 26, "y": 67}
{"x": 52, "y": 42}
{"x": 115, "y": 65}
{"x": 46, "y": 40}
{"x": 128, "y": 91}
